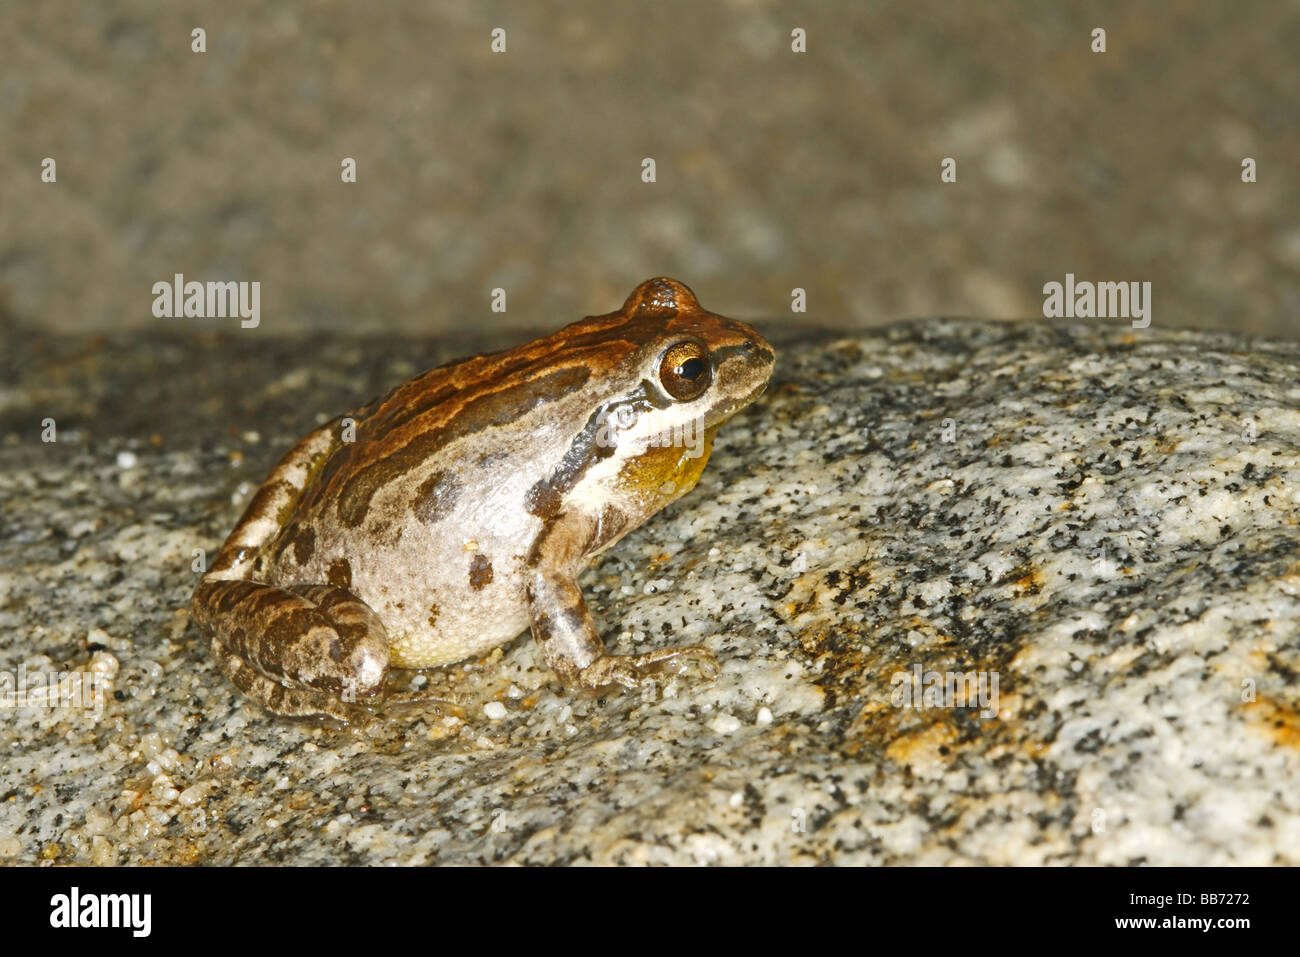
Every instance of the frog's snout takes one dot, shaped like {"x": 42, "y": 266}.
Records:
{"x": 744, "y": 368}
{"x": 758, "y": 350}
{"x": 757, "y": 353}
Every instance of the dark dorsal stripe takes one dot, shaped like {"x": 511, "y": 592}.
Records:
{"x": 418, "y": 419}
{"x": 486, "y": 410}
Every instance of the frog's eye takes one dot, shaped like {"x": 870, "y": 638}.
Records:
{"x": 685, "y": 371}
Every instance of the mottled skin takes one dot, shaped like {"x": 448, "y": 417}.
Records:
{"x": 441, "y": 520}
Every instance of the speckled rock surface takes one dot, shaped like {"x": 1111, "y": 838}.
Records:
{"x": 1101, "y": 520}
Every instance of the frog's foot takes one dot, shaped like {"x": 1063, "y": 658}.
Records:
{"x": 395, "y": 695}
{"x": 299, "y": 651}
{"x": 633, "y": 671}
{"x": 283, "y": 700}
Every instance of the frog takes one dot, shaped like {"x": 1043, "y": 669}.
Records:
{"x": 442, "y": 520}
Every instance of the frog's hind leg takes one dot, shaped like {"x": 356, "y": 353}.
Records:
{"x": 298, "y": 651}
{"x": 279, "y": 698}
{"x": 350, "y": 614}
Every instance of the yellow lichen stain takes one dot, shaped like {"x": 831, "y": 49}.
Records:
{"x": 923, "y": 751}
{"x": 1278, "y": 720}
{"x": 923, "y": 626}
{"x": 188, "y": 853}
{"x": 875, "y": 723}
{"x": 1009, "y": 705}
{"x": 858, "y": 662}
{"x": 438, "y": 732}
{"x": 1024, "y": 580}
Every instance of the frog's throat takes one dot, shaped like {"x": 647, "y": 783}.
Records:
{"x": 668, "y": 472}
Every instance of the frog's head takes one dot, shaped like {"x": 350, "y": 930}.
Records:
{"x": 674, "y": 373}
{"x": 694, "y": 364}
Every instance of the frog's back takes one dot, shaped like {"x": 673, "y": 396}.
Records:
{"x": 484, "y": 401}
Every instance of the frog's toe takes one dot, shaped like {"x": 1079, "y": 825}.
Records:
{"x": 286, "y": 700}
{"x": 396, "y": 694}
{"x": 360, "y": 671}
{"x": 633, "y": 671}
{"x": 680, "y": 660}
{"x": 348, "y": 653}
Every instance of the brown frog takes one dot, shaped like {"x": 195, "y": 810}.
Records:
{"x": 441, "y": 520}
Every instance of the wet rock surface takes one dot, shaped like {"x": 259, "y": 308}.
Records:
{"x": 981, "y": 592}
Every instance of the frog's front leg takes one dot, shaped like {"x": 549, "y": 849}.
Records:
{"x": 563, "y": 626}
{"x": 298, "y": 651}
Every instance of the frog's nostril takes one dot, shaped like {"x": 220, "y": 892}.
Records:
{"x": 749, "y": 345}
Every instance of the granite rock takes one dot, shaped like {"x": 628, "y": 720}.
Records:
{"x": 982, "y": 593}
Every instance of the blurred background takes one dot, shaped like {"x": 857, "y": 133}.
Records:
{"x": 522, "y": 170}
